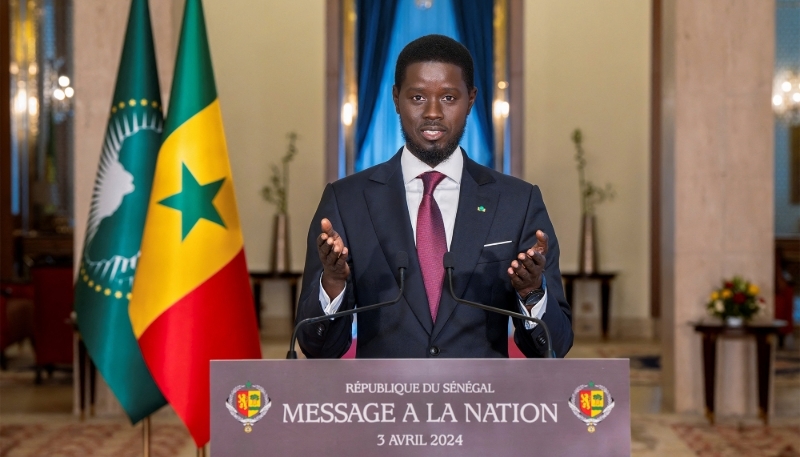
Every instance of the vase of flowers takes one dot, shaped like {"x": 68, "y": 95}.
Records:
{"x": 736, "y": 302}
{"x": 276, "y": 193}
{"x": 591, "y": 196}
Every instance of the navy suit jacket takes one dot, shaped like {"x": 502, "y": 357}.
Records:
{"x": 369, "y": 211}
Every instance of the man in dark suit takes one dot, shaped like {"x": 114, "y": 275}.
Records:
{"x": 427, "y": 199}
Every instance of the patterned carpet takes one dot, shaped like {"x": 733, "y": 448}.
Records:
{"x": 737, "y": 440}
{"x": 95, "y": 438}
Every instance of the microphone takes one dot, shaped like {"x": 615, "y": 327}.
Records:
{"x": 402, "y": 265}
{"x": 449, "y": 265}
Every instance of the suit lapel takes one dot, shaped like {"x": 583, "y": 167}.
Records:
{"x": 477, "y": 203}
{"x": 388, "y": 210}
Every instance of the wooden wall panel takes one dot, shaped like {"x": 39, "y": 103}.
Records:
{"x": 655, "y": 162}
{"x": 333, "y": 81}
{"x": 516, "y": 85}
{"x": 6, "y": 222}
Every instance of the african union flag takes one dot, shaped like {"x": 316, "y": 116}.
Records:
{"x": 116, "y": 221}
{"x": 191, "y": 298}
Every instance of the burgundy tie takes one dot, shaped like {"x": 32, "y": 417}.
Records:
{"x": 431, "y": 240}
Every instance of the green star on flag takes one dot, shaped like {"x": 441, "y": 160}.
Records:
{"x": 195, "y": 201}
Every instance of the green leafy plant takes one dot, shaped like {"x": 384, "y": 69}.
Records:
{"x": 736, "y": 298}
{"x": 591, "y": 194}
{"x": 276, "y": 191}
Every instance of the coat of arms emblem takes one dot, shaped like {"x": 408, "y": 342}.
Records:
{"x": 591, "y": 403}
{"x": 248, "y": 403}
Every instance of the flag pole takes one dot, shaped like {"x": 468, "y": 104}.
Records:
{"x": 146, "y": 436}
{"x": 201, "y": 451}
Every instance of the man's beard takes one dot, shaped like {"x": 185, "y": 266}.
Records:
{"x": 435, "y": 154}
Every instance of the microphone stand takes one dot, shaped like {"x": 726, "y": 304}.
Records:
{"x": 402, "y": 261}
{"x": 448, "y": 265}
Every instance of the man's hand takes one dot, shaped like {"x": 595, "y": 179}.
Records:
{"x": 333, "y": 255}
{"x": 526, "y": 272}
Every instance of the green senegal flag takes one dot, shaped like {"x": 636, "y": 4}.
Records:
{"x": 116, "y": 221}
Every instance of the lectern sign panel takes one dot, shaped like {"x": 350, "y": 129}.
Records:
{"x": 451, "y": 407}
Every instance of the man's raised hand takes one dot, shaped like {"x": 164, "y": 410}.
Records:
{"x": 333, "y": 255}
{"x": 527, "y": 270}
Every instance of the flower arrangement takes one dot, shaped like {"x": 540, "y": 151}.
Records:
{"x": 591, "y": 194}
{"x": 275, "y": 191}
{"x": 736, "y": 298}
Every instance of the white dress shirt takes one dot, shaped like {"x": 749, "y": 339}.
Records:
{"x": 446, "y": 195}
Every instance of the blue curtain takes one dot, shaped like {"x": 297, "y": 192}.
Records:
{"x": 474, "y": 21}
{"x": 373, "y": 35}
{"x": 382, "y": 134}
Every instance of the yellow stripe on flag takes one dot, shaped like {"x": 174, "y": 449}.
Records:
{"x": 172, "y": 267}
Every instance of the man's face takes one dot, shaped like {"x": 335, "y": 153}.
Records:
{"x": 433, "y": 103}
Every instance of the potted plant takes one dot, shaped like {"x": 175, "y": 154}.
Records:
{"x": 737, "y": 301}
{"x": 276, "y": 193}
{"x": 591, "y": 196}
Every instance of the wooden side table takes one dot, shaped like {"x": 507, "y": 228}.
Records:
{"x": 605, "y": 293}
{"x": 257, "y": 277}
{"x": 712, "y": 331}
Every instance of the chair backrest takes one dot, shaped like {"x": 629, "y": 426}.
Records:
{"x": 16, "y": 312}
{"x": 53, "y": 300}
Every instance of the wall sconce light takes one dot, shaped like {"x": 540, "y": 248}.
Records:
{"x": 33, "y": 106}
{"x": 21, "y": 101}
{"x": 786, "y": 97}
{"x": 501, "y": 109}
{"x": 62, "y": 97}
{"x": 348, "y": 113}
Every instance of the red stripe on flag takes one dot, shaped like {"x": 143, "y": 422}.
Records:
{"x": 214, "y": 321}
{"x": 351, "y": 353}
{"x": 513, "y": 350}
